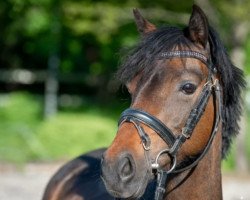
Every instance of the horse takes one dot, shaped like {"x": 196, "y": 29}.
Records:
{"x": 184, "y": 113}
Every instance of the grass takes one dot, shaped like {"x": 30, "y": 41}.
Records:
{"x": 69, "y": 134}
{"x": 25, "y": 136}
{"x": 230, "y": 162}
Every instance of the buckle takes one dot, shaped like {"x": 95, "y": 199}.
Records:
{"x": 183, "y": 132}
{"x": 216, "y": 85}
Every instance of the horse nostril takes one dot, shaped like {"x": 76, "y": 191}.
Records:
{"x": 126, "y": 168}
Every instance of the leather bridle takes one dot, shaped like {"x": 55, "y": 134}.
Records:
{"x": 175, "y": 141}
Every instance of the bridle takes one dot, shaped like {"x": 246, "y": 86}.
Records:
{"x": 175, "y": 141}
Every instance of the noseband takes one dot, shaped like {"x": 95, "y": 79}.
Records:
{"x": 175, "y": 141}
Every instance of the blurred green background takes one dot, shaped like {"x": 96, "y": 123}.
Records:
{"x": 58, "y": 94}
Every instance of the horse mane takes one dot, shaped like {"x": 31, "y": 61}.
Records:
{"x": 142, "y": 57}
{"x": 232, "y": 81}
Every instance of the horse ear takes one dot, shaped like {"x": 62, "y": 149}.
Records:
{"x": 143, "y": 25}
{"x": 198, "y": 26}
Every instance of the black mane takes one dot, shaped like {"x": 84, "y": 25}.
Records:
{"x": 232, "y": 80}
{"x": 143, "y": 56}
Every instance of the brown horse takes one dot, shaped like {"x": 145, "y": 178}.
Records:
{"x": 185, "y": 109}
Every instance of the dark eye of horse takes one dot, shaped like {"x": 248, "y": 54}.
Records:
{"x": 188, "y": 88}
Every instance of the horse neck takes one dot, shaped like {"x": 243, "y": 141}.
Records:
{"x": 202, "y": 182}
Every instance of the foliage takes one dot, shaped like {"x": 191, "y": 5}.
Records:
{"x": 247, "y": 49}
{"x": 86, "y": 36}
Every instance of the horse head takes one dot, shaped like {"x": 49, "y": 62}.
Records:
{"x": 175, "y": 85}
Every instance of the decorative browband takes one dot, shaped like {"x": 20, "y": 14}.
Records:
{"x": 185, "y": 54}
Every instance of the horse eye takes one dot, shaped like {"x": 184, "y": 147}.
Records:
{"x": 188, "y": 88}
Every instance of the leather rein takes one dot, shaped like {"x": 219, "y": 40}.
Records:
{"x": 175, "y": 141}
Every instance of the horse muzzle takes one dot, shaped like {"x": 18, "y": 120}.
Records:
{"x": 122, "y": 177}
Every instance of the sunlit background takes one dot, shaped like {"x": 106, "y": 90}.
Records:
{"x": 58, "y": 94}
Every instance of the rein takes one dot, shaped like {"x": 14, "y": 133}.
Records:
{"x": 175, "y": 141}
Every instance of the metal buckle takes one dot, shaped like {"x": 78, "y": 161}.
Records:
{"x": 216, "y": 85}
{"x": 208, "y": 83}
{"x": 184, "y": 134}
{"x": 144, "y": 140}
{"x": 156, "y": 166}
{"x": 147, "y": 148}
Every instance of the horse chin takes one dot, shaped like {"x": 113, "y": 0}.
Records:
{"x": 131, "y": 191}
{"x": 128, "y": 194}
{"x": 140, "y": 191}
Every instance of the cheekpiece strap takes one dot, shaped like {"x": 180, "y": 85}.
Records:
{"x": 161, "y": 185}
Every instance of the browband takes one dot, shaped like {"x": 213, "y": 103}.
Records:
{"x": 188, "y": 54}
{"x": 184, "y": 54}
